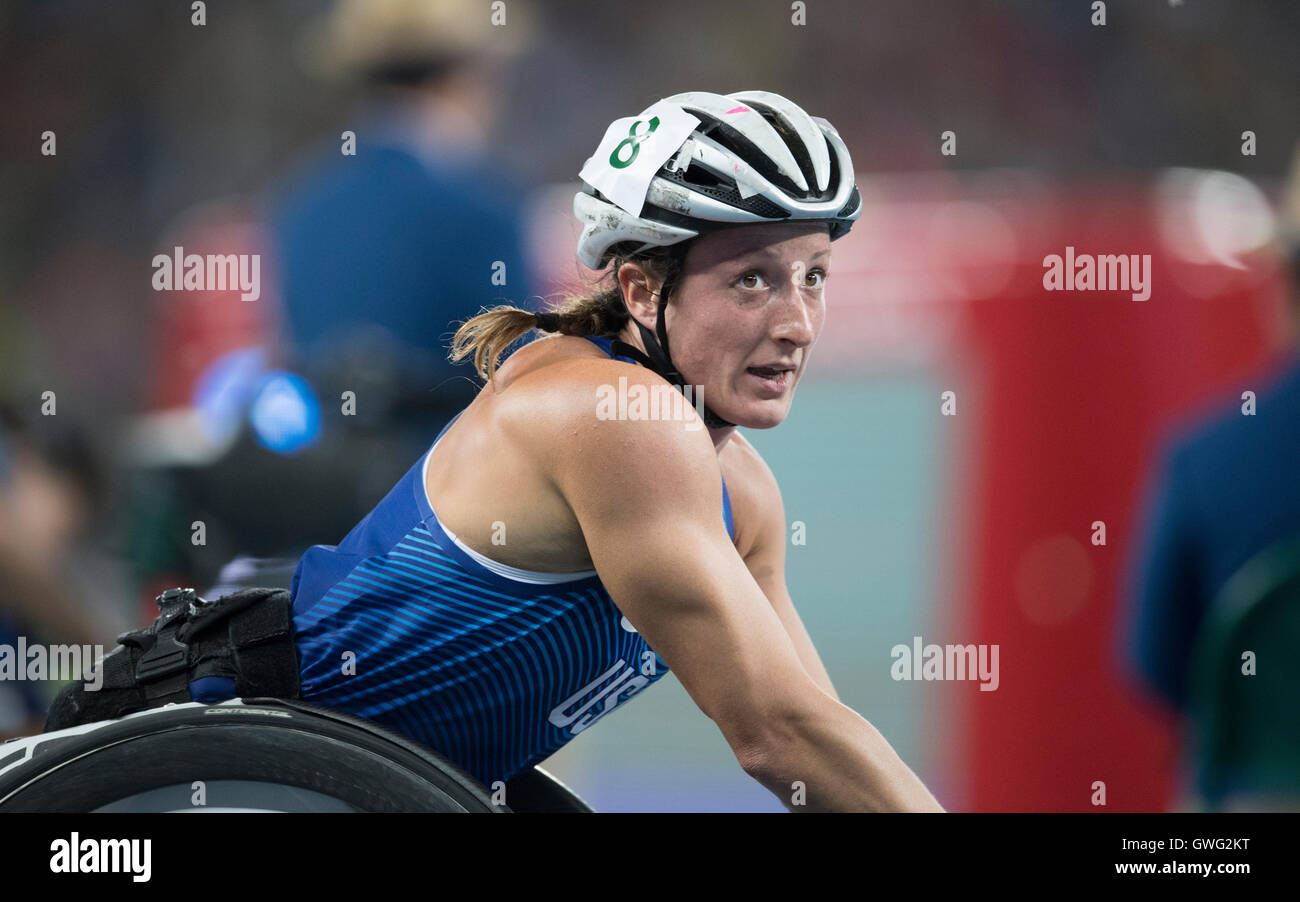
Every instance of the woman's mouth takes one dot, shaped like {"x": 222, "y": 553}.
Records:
{"x": 773, "y": 380}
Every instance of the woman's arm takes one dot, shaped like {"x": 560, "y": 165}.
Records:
{"x": 646, "y": 495}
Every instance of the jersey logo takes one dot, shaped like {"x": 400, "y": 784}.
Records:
{"x": 613, "y": 687}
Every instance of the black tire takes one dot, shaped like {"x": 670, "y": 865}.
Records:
{"x": 288, "y": 755}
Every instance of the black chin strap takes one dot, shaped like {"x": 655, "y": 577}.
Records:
{"x": 656, "y": 357}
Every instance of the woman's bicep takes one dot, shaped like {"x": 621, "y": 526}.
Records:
{"x": 688, "y": 593}
{"x": 649, "y": 504}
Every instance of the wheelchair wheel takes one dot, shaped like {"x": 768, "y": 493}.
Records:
{"x": 240, "y": 755}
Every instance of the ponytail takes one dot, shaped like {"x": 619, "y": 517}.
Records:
{"x": 488, "y": 335}
{"x": 604, "y": 313}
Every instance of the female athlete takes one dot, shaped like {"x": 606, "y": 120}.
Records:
{"x": 555, "y": 552}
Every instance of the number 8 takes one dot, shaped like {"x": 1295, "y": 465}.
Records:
{"x": 635, "y": 141}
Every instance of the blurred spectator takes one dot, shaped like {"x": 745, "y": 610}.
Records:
{"x": 374, "y": 255}
{"x": 379, "y": 251}
{"x": 50, "y": 486}
{"x": 1227, "y": 490}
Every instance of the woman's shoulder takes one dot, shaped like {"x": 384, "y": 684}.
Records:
{"x": 552, "y": 360}
{"x": 565, "y": 390}
{"x": 564, "y": 373}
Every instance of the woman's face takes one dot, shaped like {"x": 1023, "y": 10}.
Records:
{"x": 743, "y": 318}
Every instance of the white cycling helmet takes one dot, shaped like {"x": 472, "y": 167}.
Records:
{"x": 723, "y": 160}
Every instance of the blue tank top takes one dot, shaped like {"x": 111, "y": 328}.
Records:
{"x": 495, "y": 668}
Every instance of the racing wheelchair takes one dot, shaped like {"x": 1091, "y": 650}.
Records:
{"x": 140, "y": 744}
{"x": 250, "y": 755}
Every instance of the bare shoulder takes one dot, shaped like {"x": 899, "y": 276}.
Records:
{"x": 536, "y": 447}
{"x": 556, "y": 399}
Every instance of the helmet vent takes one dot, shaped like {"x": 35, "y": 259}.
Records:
{"x": 797, "y": 149}
{"x": 725, "y": 192}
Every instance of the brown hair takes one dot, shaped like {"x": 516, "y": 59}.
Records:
{"x": 602, "y": 313}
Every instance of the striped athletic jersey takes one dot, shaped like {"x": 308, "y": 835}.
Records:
{"x": 492, "y": 666}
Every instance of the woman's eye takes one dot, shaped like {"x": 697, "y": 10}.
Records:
{"x": 752, "y": 280}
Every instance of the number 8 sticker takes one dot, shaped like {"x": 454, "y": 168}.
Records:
{"x": 634, "y": 140}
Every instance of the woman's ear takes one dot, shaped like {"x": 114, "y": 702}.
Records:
{"x": 640, "y": 293}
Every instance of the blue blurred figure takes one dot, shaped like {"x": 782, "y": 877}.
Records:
{"x": 380, "y": 249}
{"x": 381, "y": 241}
{"x": 1226, "y": 491}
